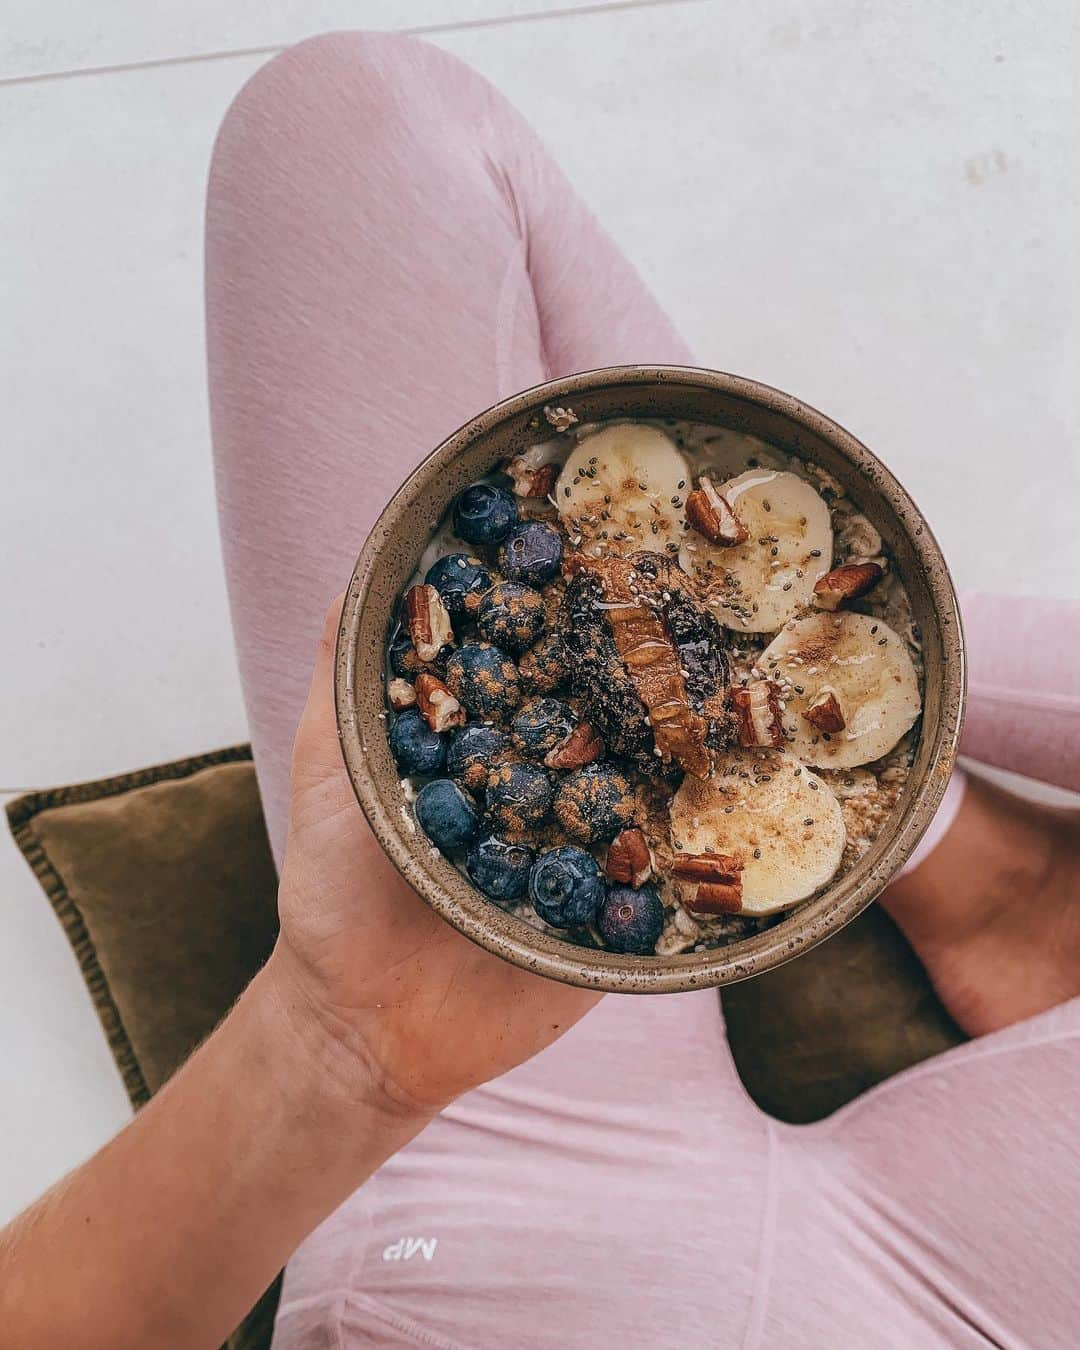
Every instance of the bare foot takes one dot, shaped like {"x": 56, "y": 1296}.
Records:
{"x": 994, "y": 911}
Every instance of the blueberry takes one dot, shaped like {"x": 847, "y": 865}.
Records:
{"x": 472, "y": 752}
{"x": 484, "y": 514}
{"x": 518, "y": 798}
{"x": 631, "y": 921}
{"x": 531, "y": 552}
{"x": 461, "y": 581}
{"x": 499, "y": 868}
{"x": 404, "y": 660}
{"x": 594, "y": 803}
{"x": 543, "y": 666}
{"x": 511, "y": 615}
{"x": 484, "y": 679}
{"x": 540, "y": 725}
{"x": 447, "y": 815}
{"x": 565, "y": 887}
{"x": 415, "y": 747}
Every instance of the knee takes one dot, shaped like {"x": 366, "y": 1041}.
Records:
{"x": 346, "y": 84}
{"x": 372, "y": 68}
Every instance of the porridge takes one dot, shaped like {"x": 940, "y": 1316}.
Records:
{"x": 653, "y": 684}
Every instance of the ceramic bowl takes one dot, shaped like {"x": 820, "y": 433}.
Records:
{"x": 390, "y": 557}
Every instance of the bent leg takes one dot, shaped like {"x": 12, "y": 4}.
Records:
{"x": 941, "y": 1206}
{"x": 1024, "y": 686}
{"x": 993, "y": 911}
{"x": 389, "y": 250}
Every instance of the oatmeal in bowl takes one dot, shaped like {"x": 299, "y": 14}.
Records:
{"x": 657, "y": 707}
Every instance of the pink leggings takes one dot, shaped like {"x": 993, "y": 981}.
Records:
{"x": 389, "y": 250}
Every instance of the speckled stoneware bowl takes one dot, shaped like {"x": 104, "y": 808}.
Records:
{"x": 392, "y": 552}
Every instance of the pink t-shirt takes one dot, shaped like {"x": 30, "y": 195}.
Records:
{"x": 622, "y": 1190}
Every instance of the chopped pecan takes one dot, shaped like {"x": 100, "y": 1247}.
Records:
{"x": 710, "y": 513}
{"x": 401, "y": 694}
{"x": 715, "y": 882}
{"x": 645, "y": 647}
{"x": 582, "y": 746}
{"x": 846, "y": 583}
{"x": 629, "y": 860}
{"x": 717, "y": 897}
{"x": 757, "y": 712}
{"x": 705, "y": 866}
{"x": 532, "y": 480}
{"x": 440, "y": 708}
{"x": 824, "y": 711}
{"x": 427, "y": 621}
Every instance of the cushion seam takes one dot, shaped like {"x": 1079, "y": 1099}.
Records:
{"x": 82, "y": 945}
{"x": 24, "y": 808}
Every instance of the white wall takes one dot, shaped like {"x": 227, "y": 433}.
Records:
{"x": 875, "y": 207}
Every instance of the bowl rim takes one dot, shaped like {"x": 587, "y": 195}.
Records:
{"x": 825, "y": 914}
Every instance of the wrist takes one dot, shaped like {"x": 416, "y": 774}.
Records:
{"x": 322, "y": 1069}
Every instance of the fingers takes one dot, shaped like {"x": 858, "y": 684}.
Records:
{"x": 329, "y": 849}
{"x": 316, "y": 746}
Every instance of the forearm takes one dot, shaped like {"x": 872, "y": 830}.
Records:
{"x": 169, "y": 1234}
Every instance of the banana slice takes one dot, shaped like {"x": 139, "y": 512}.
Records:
{"x": 757, "y": 586}
{"x": 849, "y": 688}
{"x": 768, "y": 812}
{"x": 624, "y": 489}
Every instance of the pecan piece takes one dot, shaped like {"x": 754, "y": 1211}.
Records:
{"x": 401, "y": 694}
{"x": 629, "y": 859}
{"x": 582, "y": 746}
{"x": 845, "y": 583}
{"x": 714, "y": 882}
{"x": 428, "y": 622}
{"x": 757, "y": 713}
{"x": 705, "y": 866}
{"x": 710, "y": 513}
{"x": 717, "y": 897}
{"x": 440, "y": 708}
{"x": 824, "y": 711}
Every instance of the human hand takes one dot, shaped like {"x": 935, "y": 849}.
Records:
{"x": 397, "y": 1001}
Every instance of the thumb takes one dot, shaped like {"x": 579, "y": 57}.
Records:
{"x": 316, "y": 749}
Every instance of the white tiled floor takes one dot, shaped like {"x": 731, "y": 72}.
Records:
{"x": 52, "y": 36}
{"x": 874, "y": 207}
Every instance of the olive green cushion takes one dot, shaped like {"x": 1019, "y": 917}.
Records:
{"x": 164, "y": 884}
{"x": 812, "y": 1035}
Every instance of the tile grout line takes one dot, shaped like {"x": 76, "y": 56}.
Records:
{"x": 421, "y": 30}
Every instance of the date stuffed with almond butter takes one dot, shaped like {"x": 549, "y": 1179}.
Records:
{"x": 647, "y": 661}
